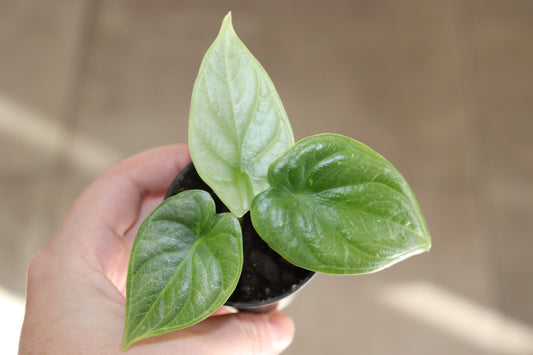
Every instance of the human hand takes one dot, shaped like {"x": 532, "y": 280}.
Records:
{"x": 76, "y": 285}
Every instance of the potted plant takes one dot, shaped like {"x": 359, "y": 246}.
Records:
{"x": 325, "y": 204}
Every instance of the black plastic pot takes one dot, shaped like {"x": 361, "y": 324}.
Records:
{"x": 267, "y": 281}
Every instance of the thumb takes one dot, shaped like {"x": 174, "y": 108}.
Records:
{"x": 237, "y": 334}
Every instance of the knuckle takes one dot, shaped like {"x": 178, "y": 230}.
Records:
{"x": 38, "y": 266}
{"x": 115, "y": 166}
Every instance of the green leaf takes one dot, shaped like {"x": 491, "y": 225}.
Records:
{"x": 185, "y": 263}
{"x": 336, "y": 206}
{"x": 237, "y": 123}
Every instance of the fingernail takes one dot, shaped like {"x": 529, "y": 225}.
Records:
{"x": 282, "y": 330}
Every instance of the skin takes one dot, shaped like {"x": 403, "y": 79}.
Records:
{"x": 76, "y": 283}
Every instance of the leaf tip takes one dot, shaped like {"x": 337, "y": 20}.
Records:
{"x": 428, "y": 244}
{"x": 125, "y": 345}
{"x": 227, "y": 22}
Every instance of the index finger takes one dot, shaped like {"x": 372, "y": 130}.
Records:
{"x": 113, "y": 200}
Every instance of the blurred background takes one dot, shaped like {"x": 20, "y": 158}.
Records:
{"x": 443, "y": 89}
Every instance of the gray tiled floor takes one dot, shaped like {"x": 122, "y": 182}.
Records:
{"x": 442, "y": 89}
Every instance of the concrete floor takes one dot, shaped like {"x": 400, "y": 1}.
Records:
{"x": 443, "y": 89}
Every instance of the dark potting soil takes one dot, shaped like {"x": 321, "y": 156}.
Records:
{"x": 266, "y": 276}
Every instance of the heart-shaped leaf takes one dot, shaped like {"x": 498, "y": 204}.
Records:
{"x": 237, "y": 123}
{"x": 336, "y": 206}
{"x": 184, "y": 265}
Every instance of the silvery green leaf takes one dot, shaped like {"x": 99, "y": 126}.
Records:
{"x": 184, "y": 265}
{"x": 237, "y": 123}
{"x": 336, "y": 206}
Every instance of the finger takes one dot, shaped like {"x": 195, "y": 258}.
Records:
{"x": 113, "y": 201}
{"x": 129, "y": 181}
{"x": 241, "y": 333}
{"x": 93, "y": 231}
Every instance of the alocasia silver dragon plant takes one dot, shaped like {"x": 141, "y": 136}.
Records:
{"x": 327, "y": 203}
